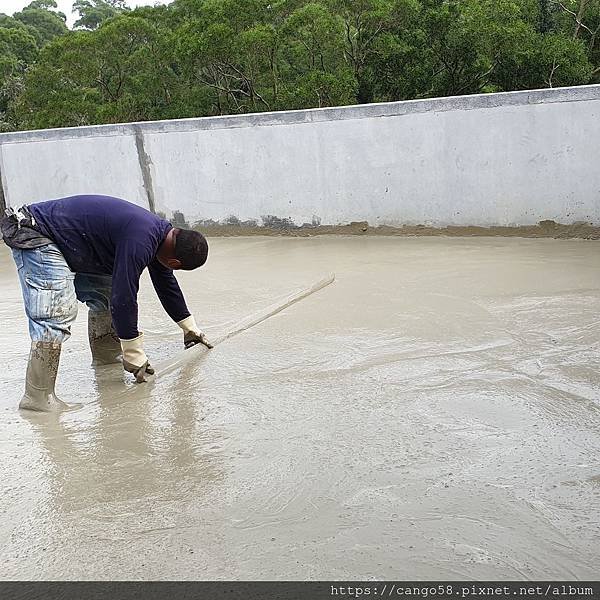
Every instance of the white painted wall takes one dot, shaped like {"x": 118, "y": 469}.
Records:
{"x": 496, "y": 159}
{"x": 49, "y": 168}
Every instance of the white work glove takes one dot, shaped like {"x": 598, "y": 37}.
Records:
{"x": 134, "y": 358}
{"x": 192, "y": 334}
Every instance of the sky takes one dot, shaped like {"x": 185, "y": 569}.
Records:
{"x": 10, "y": 6}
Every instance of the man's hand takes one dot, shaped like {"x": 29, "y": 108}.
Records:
{"x": 139, "y": 372}
{"x": 134, "y": 358}
{"x": 192, "y": 334}
{"x": 191, "y": 338}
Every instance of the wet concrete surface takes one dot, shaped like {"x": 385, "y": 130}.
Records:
{"x": 433, "y": 414}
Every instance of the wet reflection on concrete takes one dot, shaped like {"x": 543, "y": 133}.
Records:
{"x": 434, "y": 413}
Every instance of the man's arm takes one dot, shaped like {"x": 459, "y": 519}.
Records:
{"x": 130, "y": 260}
{"x": 171, "y": 297}
{"x": 125, "y": 286}
{"x": 168, "y": 291}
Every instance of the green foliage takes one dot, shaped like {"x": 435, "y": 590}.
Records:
{"x": 17, "y": 49}
{"x": 114, "y": 74}
{"x": 313, "y": 65}
{"x": 94, "y": 12}
{"x": 212, "y": 57}
{"x": 43, "y": 23}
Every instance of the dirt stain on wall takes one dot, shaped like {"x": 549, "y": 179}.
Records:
{"x": 285, "y": 227}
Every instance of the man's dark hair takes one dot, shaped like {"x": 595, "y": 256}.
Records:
{"x": 191, "y": 249}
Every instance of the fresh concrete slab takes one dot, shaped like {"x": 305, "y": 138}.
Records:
{"x": 433, "y": 414}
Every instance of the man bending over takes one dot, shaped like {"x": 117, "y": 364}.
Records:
{"x": 94, "y": 249}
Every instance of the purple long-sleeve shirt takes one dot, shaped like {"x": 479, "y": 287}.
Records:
{"x": 110, "y": 236}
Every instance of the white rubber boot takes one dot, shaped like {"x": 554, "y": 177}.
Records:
{"x": 104, "y": 343}
{"x": 41, "y": 378}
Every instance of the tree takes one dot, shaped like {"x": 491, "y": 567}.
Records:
{"x": 43, "y": 23}
{"x": 117, "y": 73}
{"x": 314, "y": 67}
{"x": 366, "y": 24}
{"x": 227, "y": 51}
{"x": 92, "y": 13}
{"x": 581, "y": 19}
{"x": 213, "y": 57}
{"x": 18, "y": 49}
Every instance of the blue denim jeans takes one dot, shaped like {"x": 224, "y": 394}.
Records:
{"x": 51, "y": 290}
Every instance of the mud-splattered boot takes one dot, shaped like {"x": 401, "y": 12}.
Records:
{"x": 104, "y": 343}
{"x": 41, "y": 378}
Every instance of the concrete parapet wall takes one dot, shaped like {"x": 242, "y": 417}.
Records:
{"x": 510, "y": 159}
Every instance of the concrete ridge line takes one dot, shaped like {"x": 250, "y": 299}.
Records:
{"x": 3, "y": 185}
{"x": 145, "y": 161}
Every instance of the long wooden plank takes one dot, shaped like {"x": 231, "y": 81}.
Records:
{"x": 191, "y": 354}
